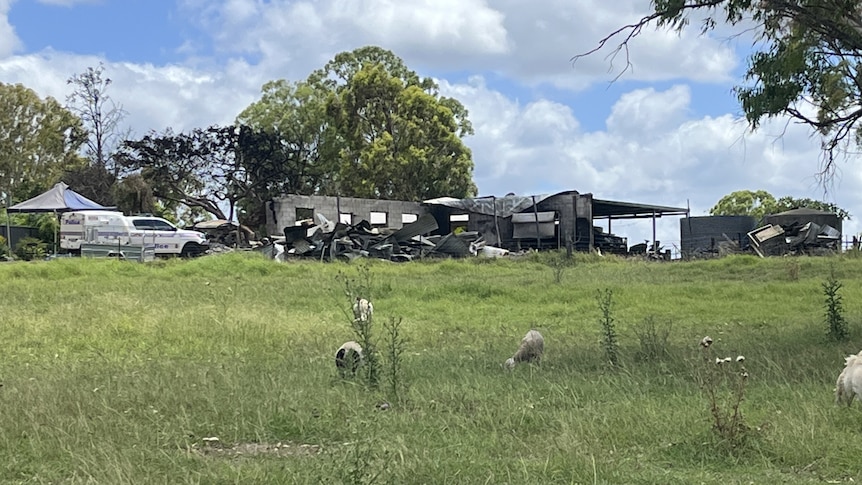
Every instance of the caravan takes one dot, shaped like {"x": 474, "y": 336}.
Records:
{"x": 114, "y": 228}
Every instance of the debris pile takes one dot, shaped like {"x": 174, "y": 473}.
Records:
{"x": 328, "y": 240}
{"x": 795, "y": 238}
{"x": 221, "y": 232}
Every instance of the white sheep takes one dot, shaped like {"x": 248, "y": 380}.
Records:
{"x": 531, "y": 349}
{"x": 348, "y": 358}
{"x": 849, "y": 385}
{"x": 362, "y": 309}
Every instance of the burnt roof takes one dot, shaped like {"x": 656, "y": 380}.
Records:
{"x": 629, "y": 210}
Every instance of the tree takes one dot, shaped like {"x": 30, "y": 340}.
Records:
{"x": 100, "y": 114}
{"x": 365, "y": 125}
{"x": 295, "y": 113}
{"x": 760, "y": 203}
{"x": 745, "y": 203}
{"x": 207, "y": 168}
{"x": 39, "y": 140}
{"x": 806, "y": 63}
{"x": 787, "y": 203}
{"x": 400, "y": 142}
{"x": 133, "y": 195}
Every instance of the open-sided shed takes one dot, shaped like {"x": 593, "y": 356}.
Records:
{"x": 565, "y": 219}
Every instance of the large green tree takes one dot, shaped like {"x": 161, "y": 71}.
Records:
{"x": 760, "y": 203}
{"x": 367, "y": 126}
{"x": 296, "y": 114}
{"x": 39, "y": 140}
{"x": 806, "y": 61}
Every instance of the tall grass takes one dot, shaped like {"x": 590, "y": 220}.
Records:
{"x": 115, "y": 372}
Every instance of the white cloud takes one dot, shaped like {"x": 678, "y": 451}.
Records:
{"x": 155, "y": 97}
{"x": 9, "y": 41}
{"x": 645, "y": 111}
{"x": 531, "y": 42}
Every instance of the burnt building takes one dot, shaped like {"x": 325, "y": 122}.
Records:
{"x": 547, "y": 221}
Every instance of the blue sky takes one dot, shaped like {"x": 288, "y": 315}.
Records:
{"x": 668, "y": 132}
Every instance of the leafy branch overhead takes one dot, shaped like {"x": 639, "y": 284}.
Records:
{"x": 805, "y": 64}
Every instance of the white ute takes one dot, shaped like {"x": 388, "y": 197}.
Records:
{"x": 111, "y": 227}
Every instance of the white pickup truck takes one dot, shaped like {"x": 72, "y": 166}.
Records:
{"x": 111, "y": 227}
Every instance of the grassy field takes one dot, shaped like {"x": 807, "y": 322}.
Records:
{"x": 117, "y": 372}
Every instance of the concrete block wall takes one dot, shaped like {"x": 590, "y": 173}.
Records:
{"x": 282, "y": 210}
{"x": 706, "y": 232}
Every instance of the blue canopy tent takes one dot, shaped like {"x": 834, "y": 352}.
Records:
{"x": 60, "y": 198}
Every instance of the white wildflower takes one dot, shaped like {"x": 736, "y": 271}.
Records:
{"x": 706, "y": 342}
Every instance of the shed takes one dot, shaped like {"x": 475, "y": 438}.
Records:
{"x": 545, "y": 221}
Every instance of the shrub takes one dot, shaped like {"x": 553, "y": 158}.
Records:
{"x": 4, "y": 249}
{"x": 394, "y": 348}
{"x": 653, "y": 337}
{"x": 30, "y": 248}
{"x": 835, "y": 321}
{"x": 394, "y": 343}
{"x": 559, "y": 262}
{"x": 609, "y": 332}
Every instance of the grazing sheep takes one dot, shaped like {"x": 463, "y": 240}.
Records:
{"x": 348, "y": 358}
{"x": 849, "y": 385}
{"x": 531, "y": 349}
{"x": 362, "y": 309}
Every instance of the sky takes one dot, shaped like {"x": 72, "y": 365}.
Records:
{"x": 668, "y": 131}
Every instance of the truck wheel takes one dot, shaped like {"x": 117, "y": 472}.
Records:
{"x": 191, "y": 250}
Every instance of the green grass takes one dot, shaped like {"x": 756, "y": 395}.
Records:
{"x": 115, "y": 372}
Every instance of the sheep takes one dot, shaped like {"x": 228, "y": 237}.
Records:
{"x": 849, "y": 385}
{"x": 531, "y": 349}
{"x": 362, "y": 309}
{"x": 348, "y": 358}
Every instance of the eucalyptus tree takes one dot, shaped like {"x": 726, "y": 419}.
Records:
{"x": 365, "y": 125}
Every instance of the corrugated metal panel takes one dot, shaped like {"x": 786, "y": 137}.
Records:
{"x": 452, "y": 245}
{"x": 424, "y": 225}
{"x": 524, "y": 225}
{"x": 525, "y": 217}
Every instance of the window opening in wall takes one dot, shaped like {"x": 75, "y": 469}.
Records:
{"x": 408, "y": 218}
{"x": 345, "y": 218}
{"x": 303, "y": 213}
{"x": 378, "y": 218}
{"x": 458, "y": 222}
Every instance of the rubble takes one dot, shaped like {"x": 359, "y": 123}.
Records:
{"x": 225, "y": 233}
{"x": 327, "y": 241}
{"x": 794, "y": 238}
